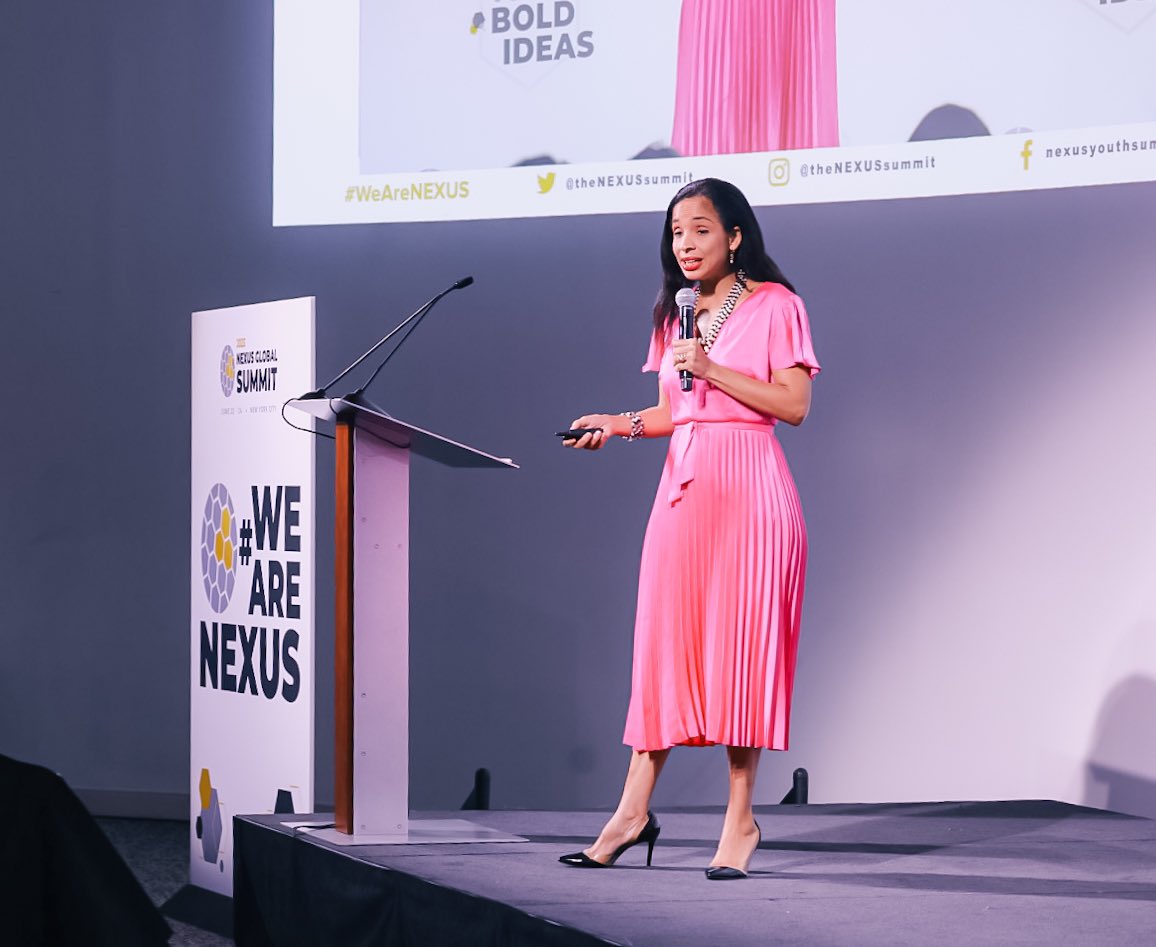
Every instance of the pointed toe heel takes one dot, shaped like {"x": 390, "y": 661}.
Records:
{"x": 649, "y": 835}
{"x": 722, "y": 873}
{"x": 725, "y": 873}
{"x": 580, "y": 860}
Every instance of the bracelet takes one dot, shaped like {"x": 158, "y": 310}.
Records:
{"x": 637, "y": 427}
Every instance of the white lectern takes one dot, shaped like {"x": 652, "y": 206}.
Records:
{"x": 371, "y": 532}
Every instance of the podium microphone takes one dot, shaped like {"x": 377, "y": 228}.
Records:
{"x": 358, "y": 394}
{"x": 684, "y": 299}
{"x": 411, "y": 321}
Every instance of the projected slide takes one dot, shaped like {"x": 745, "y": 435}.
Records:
{"x": 499, "y": 85}
{"x": 467, "y": 109}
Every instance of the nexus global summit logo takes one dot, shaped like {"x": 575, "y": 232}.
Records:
{"x": 219, "y": 548}
{"x": 246, "y": 369}
{"x": 228, "y": 370}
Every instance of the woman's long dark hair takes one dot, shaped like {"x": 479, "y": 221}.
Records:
{"x": 734, "y": 211}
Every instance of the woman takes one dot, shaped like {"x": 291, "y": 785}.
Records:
{"x": 721, "y": 580}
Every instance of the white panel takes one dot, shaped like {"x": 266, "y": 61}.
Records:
{"x": 1002, "y": 644}
{"x": 380, "y": 637}
{"x": 251, "y": 673}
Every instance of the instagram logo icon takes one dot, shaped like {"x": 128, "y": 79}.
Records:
{"x": 779, "y": 172}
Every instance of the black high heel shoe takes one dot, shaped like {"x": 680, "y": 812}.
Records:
{"x": 723, "y": 873}
{"x": 649, "y": 835}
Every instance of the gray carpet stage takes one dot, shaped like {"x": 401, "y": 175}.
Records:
{"x": 946, "y": 873}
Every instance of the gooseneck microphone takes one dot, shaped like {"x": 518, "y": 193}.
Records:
{"x": 411, "y": 321}
{"x": 685, "y": 300}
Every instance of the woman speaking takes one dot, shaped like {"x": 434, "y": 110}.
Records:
{"x": 720, "y": 587}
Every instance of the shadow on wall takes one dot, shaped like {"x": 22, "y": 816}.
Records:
{"x": 1123, "y": 733}
{"x": 949, "y": 121}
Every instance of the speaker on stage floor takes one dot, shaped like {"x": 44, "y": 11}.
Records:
{"x": 61, "y": 880}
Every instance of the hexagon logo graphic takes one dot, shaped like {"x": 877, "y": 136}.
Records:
{"x": 219, "y": 548}
{"x": 209, "y": 825}
{"x": 228, "y": 370}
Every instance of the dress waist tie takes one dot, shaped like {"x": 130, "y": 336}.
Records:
{"x": 682, "y": 442}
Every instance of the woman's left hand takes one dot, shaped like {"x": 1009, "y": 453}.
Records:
{"x": 690, "y": 357}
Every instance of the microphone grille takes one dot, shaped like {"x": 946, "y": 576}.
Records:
{"x": 684, "y": 297}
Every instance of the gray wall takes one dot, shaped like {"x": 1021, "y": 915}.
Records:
{"x": 135, "y": 188}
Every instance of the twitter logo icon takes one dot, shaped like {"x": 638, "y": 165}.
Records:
{"x": 545, "y": 183}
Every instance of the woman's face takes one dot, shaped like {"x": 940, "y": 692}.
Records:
{"x": 701, "y": 246}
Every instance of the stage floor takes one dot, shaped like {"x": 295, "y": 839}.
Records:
{"x": 1026, "y": 872}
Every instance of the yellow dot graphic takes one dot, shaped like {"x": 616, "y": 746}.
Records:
{"x": 206, "y": 789}
{"x": 222, "y": 546}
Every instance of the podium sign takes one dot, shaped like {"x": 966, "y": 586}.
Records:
{"x": 252, "y": 577}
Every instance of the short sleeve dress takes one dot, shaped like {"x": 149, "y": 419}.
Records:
{"x": 720, "y": 589}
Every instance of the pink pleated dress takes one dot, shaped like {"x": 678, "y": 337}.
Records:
{"x": 755, "y": 75}
{"x": 720, "y": 589}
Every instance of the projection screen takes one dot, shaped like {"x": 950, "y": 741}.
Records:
{"x": 465, "y": 109}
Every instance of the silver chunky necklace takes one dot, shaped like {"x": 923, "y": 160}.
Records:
{"x": 724, "y": 311}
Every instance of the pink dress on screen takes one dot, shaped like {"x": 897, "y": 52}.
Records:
{"x": 720, "y": 588}
{"x": 755, "y": 75}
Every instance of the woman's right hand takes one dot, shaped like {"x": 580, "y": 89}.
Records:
{"x": 609, "y": 424}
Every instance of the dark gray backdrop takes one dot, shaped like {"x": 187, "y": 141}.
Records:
{"x": 136, "y": 188}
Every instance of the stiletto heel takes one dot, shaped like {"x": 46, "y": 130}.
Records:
{"x": 723, "y": 873}
{"x": 649, "y": 835}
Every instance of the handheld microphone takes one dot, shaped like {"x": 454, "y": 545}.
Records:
{"x": 684, "y": 299}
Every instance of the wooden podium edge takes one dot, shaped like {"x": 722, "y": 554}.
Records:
{"x": 343, "y": 628}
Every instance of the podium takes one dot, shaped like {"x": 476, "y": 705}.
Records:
{"x": 371, "y": 533}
